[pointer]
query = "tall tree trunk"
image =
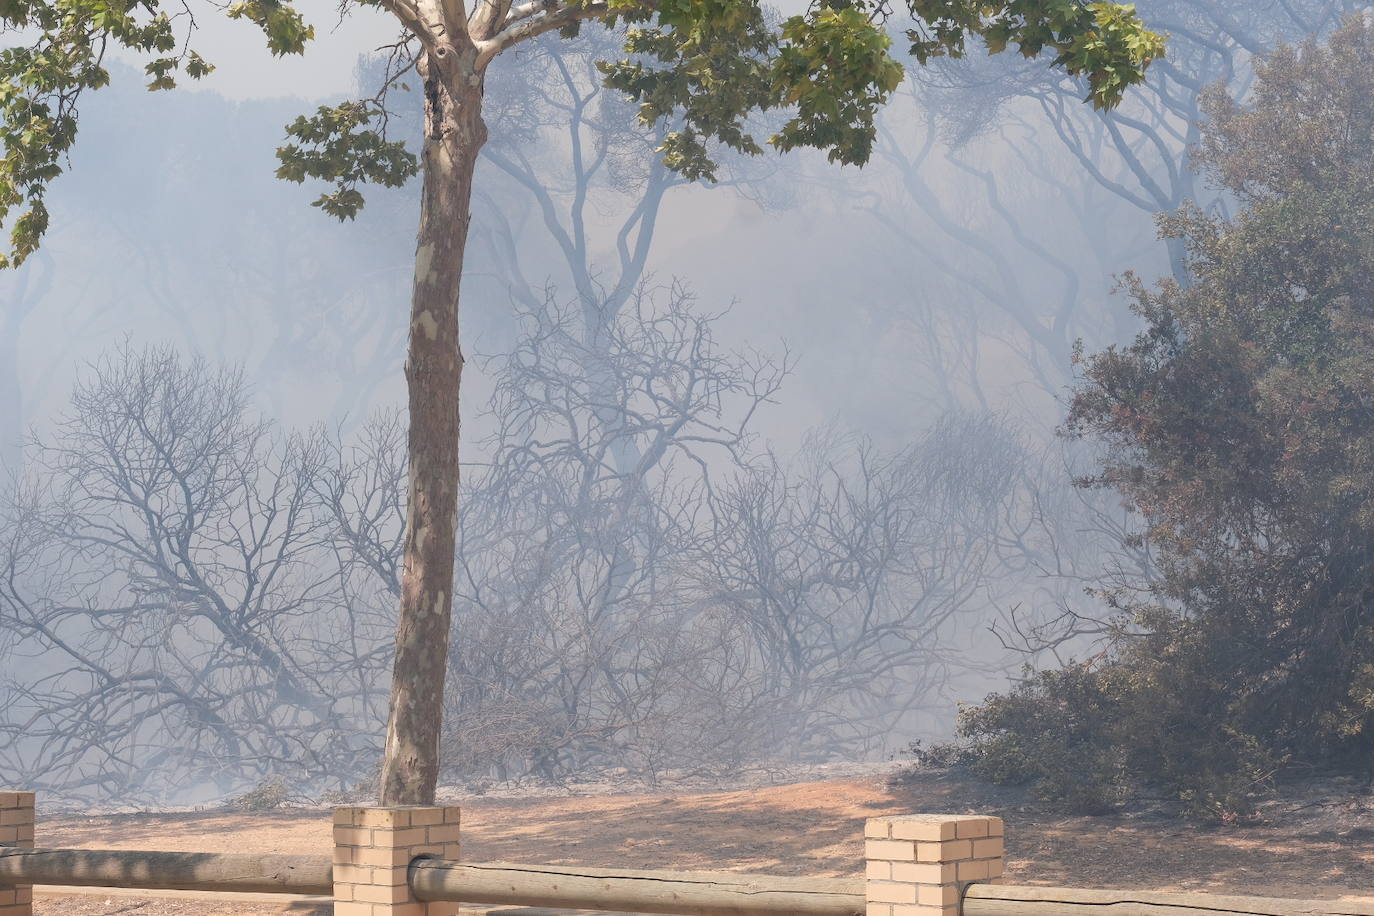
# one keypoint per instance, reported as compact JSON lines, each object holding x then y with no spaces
{"x":454,"y":134}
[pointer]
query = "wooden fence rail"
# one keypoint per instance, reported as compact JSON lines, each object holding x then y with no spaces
{"x":1011,"y":900}
{"x":505,"y":883}
{"x":404,"y":861}
{"x":629,"y":891}
{"x":234,"y":873}
{"x":617,"y":890}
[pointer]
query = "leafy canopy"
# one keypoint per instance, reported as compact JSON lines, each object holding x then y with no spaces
{"x":711,"y":63}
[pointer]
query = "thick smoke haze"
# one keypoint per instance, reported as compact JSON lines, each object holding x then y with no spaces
{"x":921,"y":315}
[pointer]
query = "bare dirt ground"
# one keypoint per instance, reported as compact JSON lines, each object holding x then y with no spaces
{"x":1317,"y":842}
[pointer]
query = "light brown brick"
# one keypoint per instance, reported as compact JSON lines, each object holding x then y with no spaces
{"x":382,"y":893}
{"x":972,"y":828}
{"x":442,"y":833}
{"x":920,"y":910}
{"x":988,"y":847}
{"x":383,"y":817}
{"x":929,"y":829}
{"x":372,"y":878}
{"x":407,"y":836}
{"x":878,"y":871}
{"x":8,"y":895}
{"x":16,"y":816}
{"x":25,"y":832}
{"x":343,"y":816}
{"x":23,"y":894}
{"x":878,"y":909}
{"x":995,"y":867}
{"x":423,"y":817}
{"x":875,"y":829}
{"x":352,"y":874}
{"x":973,"y":871}
{"x":352,"y":908}
{"x":352,"y":836}
{"x":892,"y":850}
{"x":925,"y":872}
{"x":382,"y":856}
{"x":948,"y":851}
{"x":9,"y":836}
{"x":937,"y":894}
{"x":891,"y":892}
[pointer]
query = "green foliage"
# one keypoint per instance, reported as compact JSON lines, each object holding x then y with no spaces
{"x":706,"y":60}
{"x":1240,"y":423}
{"x":715,"y":62}
{"x":42,"y":82}
{"x":711,"y":63}
{"x":835,"y":68}
{"x":1103,"y":42}
{"x":340,"y":146}
{"x":281,"y":23}
{"x":1089,"y":737}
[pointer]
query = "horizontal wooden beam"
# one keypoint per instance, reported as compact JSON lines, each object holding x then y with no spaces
{"x":1009,"y":900}
{"x":621,"y":890}
{"x":236,"y":873}
{"x":630,"y":891}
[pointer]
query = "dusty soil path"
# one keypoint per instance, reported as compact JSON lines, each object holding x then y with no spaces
{"x":810,"y":828}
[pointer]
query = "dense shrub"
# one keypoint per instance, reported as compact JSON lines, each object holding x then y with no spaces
{"x":1240,"y":425}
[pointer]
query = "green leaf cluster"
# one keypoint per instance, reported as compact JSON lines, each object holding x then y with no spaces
{"x":339,"y":144}
{"x":715,"y":62}
{"x":282,"y":24}
{"x":42,"y":82}
{"x":1102,"y":42}
{"x":708,"y":61}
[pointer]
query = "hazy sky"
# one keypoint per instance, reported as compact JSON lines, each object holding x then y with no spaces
{"x":245,"y":69}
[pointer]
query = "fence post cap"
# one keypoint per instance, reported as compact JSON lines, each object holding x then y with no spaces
{"x":932,"y":827}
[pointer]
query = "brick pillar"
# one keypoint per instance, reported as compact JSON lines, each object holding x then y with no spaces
{"x":919,"y":864}
{"x":16,"y":829}
{"x":373,"y":848}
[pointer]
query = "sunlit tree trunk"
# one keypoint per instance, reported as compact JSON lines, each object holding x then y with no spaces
{"x":454,"y":134}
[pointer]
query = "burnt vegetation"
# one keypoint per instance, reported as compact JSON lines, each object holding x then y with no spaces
{"x":1168,"y":599}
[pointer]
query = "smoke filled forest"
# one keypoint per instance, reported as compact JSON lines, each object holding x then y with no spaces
{"x":1005,"y":413}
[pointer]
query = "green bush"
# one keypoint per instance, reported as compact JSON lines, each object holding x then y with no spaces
{"x":1239,"y":424}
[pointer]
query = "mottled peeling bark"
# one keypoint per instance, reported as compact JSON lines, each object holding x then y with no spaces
{"x":454,"y":134}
